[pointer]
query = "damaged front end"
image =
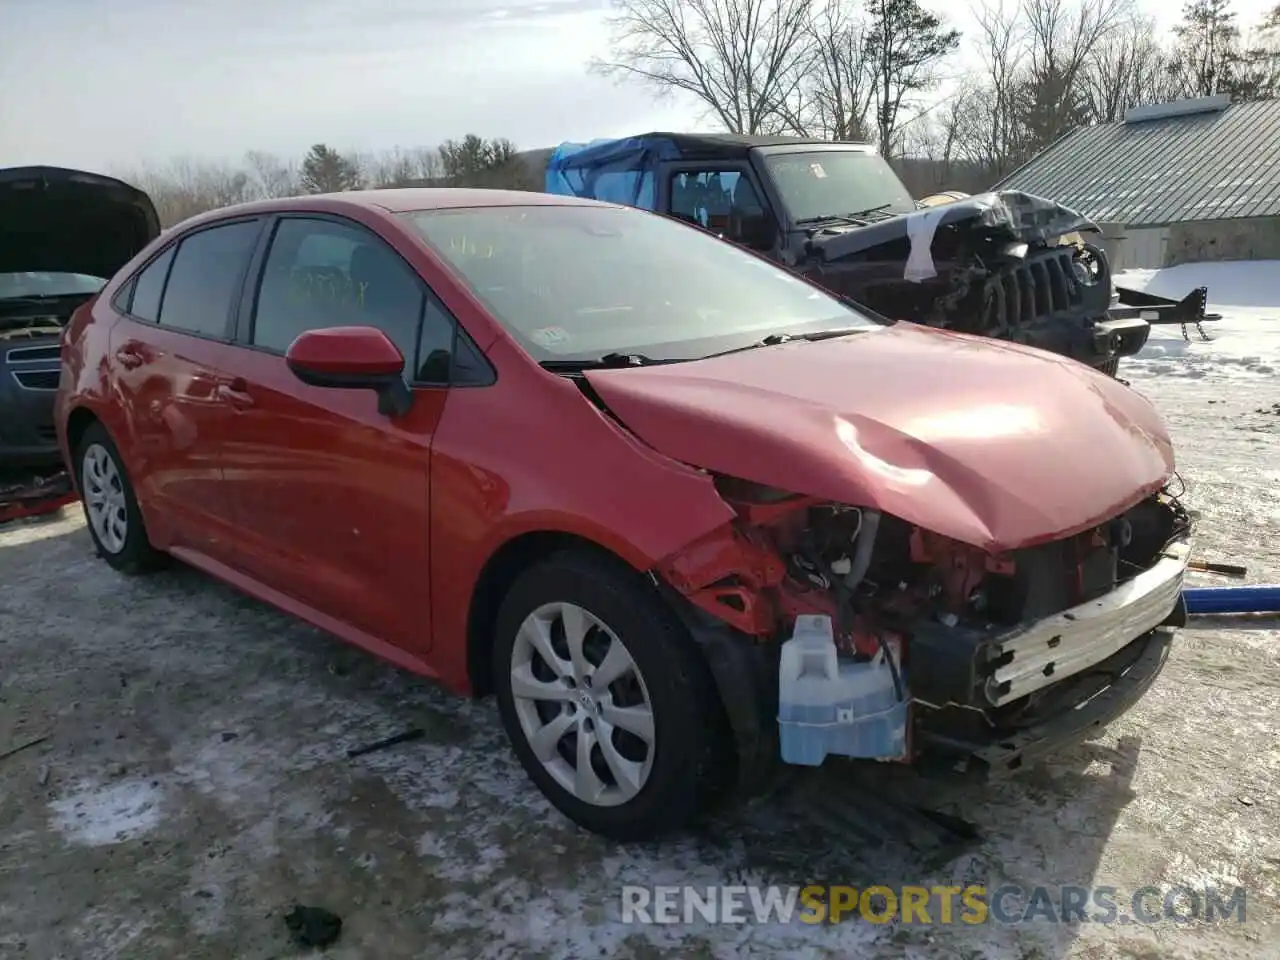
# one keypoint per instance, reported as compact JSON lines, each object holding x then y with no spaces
{"x":992,"y":265}
{"x":1001,"y":658}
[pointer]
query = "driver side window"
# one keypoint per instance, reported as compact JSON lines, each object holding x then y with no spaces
{"x":322,"y":274}
{"x":724,"y":202}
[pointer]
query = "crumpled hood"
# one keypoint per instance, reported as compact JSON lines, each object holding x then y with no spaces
{"x":68,"y":221}
{"x":1017,"y":216}
{"x":989,"y":443}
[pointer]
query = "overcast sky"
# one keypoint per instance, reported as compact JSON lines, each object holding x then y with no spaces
{"x":104,"y":84}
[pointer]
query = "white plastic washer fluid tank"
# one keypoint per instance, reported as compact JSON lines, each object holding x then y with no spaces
{"x":829,"y":707}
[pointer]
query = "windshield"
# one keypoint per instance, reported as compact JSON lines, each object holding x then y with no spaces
{"x":830,"y":183}
{"x":48,"y":285}
{"x":581,"y":282}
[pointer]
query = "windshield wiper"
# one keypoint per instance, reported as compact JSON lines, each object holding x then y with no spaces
{"x":610,"y":361}
{"x":833,"y":333}
{"x":843,"y":217}
{"x":775,"y":338}
{"x":825,"y":218}
{"x":870,"y":210}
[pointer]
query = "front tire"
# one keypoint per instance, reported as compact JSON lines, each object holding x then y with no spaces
{"x":605,"y":698}
{"x":110,"y":507}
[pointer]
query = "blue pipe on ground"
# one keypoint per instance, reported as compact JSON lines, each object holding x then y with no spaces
{"x":1262,"y":598}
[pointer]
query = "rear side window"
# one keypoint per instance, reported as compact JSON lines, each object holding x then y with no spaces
{"x":205,"y":278}
{"x":149,"y":287}
{"x":323,"y":274}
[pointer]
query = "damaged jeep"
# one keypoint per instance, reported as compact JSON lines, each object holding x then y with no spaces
{"x":836,"y":213}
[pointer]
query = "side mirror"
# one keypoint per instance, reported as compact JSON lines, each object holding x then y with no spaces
{"x":352,"y":358}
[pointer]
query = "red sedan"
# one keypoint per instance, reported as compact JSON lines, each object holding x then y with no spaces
{"x":596,"y":462}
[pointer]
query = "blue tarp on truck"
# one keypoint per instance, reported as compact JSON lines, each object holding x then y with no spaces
{"x":616,"y":171}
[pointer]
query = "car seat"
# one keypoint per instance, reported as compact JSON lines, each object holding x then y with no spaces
{"x":684,"y":201}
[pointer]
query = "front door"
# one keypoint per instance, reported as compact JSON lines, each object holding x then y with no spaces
{"x":330,"y":496}
{"x":722,"y":198}
{"x":169,"y":354}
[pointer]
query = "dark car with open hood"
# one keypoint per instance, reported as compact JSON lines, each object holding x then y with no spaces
{"x":63,"y":234}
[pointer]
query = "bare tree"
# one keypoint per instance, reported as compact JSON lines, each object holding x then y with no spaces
{"x":185,"y":187}
{"x":925,"y":165}
{"x":1127,"y":68}
{"x":745,"y":60}
{"x":840,"y":83}
{"x":1207,"y":48}
{"x":420,"y":166}
{"x":1256,"y":73}
{"x":905,"y":44}
{"x":272,"y":177}
{"x":1050,"y":66}
{"x":1213,"y":56}
{"x":1063,"y":36}
{"x":989,"y":131}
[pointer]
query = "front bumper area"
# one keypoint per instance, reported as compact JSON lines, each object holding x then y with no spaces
{"x":1124,"y":679}
{"x":1120,"y":336}
{"x":28,"y":383}
{"x":1041,"y":687}
{"x":1032,"y":657}
{"x":985,"y":701}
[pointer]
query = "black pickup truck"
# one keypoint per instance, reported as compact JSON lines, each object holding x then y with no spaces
{"x":993,"y":264}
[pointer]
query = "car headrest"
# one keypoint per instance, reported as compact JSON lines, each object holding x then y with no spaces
{"x":369,"y":264}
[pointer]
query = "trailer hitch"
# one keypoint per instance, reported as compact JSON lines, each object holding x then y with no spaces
{"x":1162,"y":310}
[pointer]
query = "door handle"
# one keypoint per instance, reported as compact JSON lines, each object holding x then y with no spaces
{"x":236,"y":393}
{"x":130,"y":356}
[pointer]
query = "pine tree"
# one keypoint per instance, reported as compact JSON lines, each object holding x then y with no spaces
{"x":325,"y":170}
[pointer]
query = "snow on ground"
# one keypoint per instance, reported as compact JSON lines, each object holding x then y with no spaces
{"x":195,"y":783}
{"x":1246,"y":340}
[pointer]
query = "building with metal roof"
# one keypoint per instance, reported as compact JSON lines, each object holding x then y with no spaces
{"x":1174,"y":182}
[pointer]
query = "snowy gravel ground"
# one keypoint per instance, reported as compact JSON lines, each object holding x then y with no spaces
{"x":195,"y":783}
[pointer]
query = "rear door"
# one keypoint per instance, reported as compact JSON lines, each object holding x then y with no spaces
{"x":169,"y":354}
{"x":331,"y":496}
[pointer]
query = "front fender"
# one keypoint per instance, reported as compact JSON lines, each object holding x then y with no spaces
{"x":532,"y":454}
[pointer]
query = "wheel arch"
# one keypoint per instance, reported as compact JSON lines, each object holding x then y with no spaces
{"x":736,"y":668}
{"x":499,"y":572}
{"x":79,"y":420}
{"x":77,"y":423}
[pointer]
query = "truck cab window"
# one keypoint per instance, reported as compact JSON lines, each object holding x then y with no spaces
{"x":724,"y":202}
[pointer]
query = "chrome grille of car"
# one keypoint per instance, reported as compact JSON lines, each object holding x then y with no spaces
{"x":37,"y":379}
{"x":31,"y":354}
{"x":34,"y":368}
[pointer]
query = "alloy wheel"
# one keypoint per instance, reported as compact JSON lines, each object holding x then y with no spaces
{"x":104,"y":498}
{"x":582,"y":704}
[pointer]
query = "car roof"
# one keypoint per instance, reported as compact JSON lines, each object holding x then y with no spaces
{"x":396,"y":200}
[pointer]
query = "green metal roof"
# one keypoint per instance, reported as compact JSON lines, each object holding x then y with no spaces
{"x":1165,"y":164}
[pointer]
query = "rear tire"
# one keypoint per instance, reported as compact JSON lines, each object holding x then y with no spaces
{"x":606,"y":700}
{"x":110,"y":507}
